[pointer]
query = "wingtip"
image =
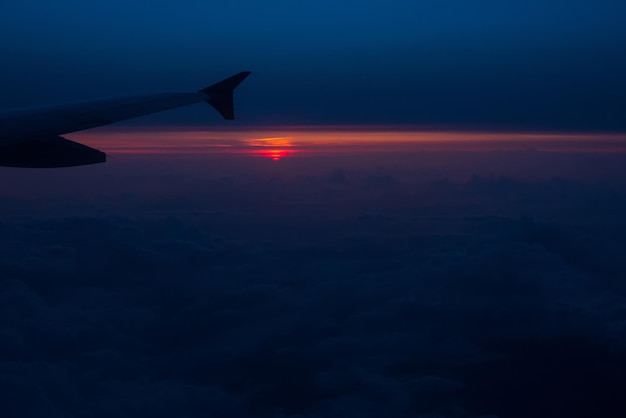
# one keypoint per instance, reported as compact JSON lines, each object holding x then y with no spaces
{"x":220,"y":94}
{"x":226,"y":85}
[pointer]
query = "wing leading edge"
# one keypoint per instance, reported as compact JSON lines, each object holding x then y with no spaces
{"x":32,"y":137}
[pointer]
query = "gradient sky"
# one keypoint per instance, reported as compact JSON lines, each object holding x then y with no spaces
{"x":419,"y":212}
{"x":531,"y":65}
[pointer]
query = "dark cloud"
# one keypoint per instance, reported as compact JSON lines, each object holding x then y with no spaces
{"x":402,"y":294}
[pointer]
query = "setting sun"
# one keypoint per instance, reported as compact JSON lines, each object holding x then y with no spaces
{"x":274,"y":154}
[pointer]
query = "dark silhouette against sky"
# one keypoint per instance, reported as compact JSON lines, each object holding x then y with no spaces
{"x":518,"y":64}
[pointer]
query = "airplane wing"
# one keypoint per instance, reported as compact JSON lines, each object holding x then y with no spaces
{"x":32,"y":137}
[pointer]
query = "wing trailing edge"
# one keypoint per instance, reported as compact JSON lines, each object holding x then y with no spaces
{"x":51,"y":152}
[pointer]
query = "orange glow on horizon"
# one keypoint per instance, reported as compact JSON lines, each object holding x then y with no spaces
{"x":276,"y":142}
{"x":281,"y":142}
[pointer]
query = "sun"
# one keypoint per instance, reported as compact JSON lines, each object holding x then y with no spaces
{"x":275,"y":154}
{"x":275,"y":148}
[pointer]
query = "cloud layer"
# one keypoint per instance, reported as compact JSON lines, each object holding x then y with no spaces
{"x":373,"y":292}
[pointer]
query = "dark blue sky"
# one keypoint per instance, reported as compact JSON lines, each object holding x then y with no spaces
{"x":519,"y":64}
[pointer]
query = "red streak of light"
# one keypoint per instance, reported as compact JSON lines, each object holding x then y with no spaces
{"x":283,"y":142}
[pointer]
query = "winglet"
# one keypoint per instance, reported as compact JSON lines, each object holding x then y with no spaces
{"x":221,"y":94}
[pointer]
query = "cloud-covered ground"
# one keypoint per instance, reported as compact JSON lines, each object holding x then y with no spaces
{"x":469,"y":285}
